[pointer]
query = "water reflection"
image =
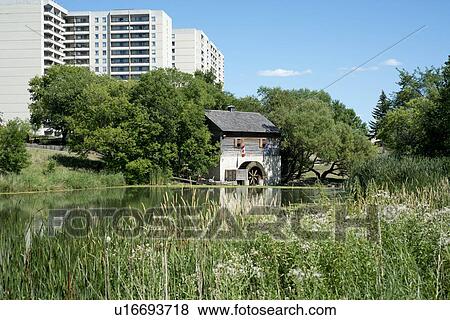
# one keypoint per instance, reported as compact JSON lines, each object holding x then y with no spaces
{"x":32,"y":205}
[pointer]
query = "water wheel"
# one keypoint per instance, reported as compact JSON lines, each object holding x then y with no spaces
{"x":254,"y":176}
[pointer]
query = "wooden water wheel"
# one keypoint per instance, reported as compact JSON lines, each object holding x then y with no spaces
{"x":254,"y":176}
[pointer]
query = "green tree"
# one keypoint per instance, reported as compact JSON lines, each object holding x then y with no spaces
{"x":307,"y":127}
{"x":176,"y":102}
{"x":419,"y":121}
{"x":379,"y":113}
{"x":153,"y":124}
{"x":56,"y":96}
{"x":352,"y":147}
{"x":314,"y":129}
{"x":13,"y":154}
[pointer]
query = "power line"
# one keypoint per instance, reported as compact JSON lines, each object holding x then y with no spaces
{"x":374,"y":57}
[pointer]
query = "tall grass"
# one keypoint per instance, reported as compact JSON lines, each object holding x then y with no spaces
{"x":395,"y":173}
{"x":410,"y":258}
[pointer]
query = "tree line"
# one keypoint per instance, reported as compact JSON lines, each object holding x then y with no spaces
{"x":415,"y":120}
{"x":156,"y":123}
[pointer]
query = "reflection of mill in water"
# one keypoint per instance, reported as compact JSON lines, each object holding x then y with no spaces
{"x":242,"y":200}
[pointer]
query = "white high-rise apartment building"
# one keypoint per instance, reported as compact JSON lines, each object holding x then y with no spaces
{"x":36,"y":34}
{"x":122,"y":43}
{"x":31,"y":40}
{"x":192,"y":51}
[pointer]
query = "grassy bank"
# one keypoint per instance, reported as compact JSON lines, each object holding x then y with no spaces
{"x":396,"y":173}
{"x":55,"y":170}
{"x":409,"y":257}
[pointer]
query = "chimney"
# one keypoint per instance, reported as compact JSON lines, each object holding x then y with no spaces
{"x":231,"y":108}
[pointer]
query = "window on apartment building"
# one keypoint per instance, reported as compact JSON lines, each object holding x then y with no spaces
{"x":96,"y":36}
{"x":96,"y":69}
{"x":153,"y":60}
{"x":140,"y":60}
{"x":120,"y":52}
{"x":120,"y":60}
{"x":96,"y":28}
{"x":173,"y":50}
{"x":104,"y":69}
{"x":173,"y":43}
{"x":153,"y":35}
{"x":140,"y":43}
{"x":173,"y":58}
{"x":104,"y":44}
{"x":119,"y":19}
{"x":142,"y":27}
{"x":139,"y":35}
{"x":104,"y":52}
{"x":153,"y":51}
{"x":96,"y":19}
{"x":104,"y":36}
{"x":104,"y":19}
{"x":173,"y":65}
{"x":104,"y":61}
{"x":139,"y":18}
{"x":96,"y":61}
{"x":120,"y":44}
{"x":153,"y":27}
{"x":120,"y":36}
{"x":139,"y":68}
{"x":139,"y":52}
{"x":173,"y":35}
{"x":153,"y":44}
{"x":120,"y":69}
{"x":96,"y":52}
{"x":153,"y":19}
{"x":96,"y":45}
{"x":115,"y":28}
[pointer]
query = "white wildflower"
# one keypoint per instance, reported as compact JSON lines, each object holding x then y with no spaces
{"x":382,"y":194}
{"x":391,"y":213}
{"x":297,"y":273}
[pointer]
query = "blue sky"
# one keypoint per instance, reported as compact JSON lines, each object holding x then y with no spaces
{"x":309,"y":44}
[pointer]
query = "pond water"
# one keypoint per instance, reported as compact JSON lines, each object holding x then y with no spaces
{"x":172,"y":209}
{"x":42,"y":203}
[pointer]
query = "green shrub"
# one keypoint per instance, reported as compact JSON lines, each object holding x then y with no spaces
{"x":143,"y":171}
{"x":50,"y":168}
{"x":13,"y":154}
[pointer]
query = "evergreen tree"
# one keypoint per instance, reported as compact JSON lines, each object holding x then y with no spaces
{"x":382,"y":108}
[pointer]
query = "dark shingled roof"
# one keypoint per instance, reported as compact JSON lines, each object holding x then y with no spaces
{"x":246,"y":122}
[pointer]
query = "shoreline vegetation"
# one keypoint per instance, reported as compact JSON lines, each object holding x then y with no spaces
{"x":409,"y":258}
{"x":60,"y":171}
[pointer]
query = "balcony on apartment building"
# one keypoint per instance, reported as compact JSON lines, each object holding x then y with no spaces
{"x":81,"y":38}
{"x":76,"y":21}
{"x":55,"y":13}
{"x":76,"y":61}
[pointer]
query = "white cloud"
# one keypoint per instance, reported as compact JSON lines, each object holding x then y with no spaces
{"x":391,"y":62}
{"x":283,"y":73}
